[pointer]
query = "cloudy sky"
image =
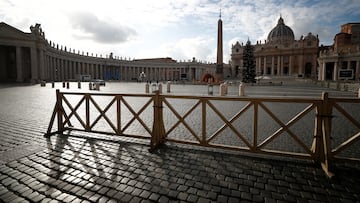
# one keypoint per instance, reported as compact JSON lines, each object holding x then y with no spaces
{"x":180,"y":29}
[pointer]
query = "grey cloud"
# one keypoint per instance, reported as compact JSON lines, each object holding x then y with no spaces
{"x":100,"y":31}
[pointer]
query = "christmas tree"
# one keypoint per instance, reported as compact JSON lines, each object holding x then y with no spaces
{"x":249,"y":72}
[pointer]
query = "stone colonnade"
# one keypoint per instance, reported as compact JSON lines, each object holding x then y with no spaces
{"x":60,"y":65}
{"x":29,"y":57}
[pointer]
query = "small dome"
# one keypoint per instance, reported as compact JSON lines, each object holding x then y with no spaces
{"x":310,"y":37}
{"x":237,"y":44}
{"x":281,"y":32}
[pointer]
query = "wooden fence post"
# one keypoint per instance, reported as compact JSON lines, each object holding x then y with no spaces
{"x":203,"y":123}
{"x":55,"y":112}
{"x":318,"y":145}
{"x":87,"y":112}
{"x":59,"y":111}
{"x":322,"y":148}
{"x":158,"y":131}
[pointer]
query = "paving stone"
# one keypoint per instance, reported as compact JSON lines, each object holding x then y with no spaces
{"x":71,"y":198}
{"x":145,"y":194}
{"x":190,"y":183}
{"x":110,"y":192}
{"x":154,"y":197}
{"x":192,"y":190}
{"x":306,"y":195}
{"x":135,"y":200}
{"x":182,"y":196}
{"x":269,"y":200}
{"x":46,"y":200}
{"x":37,"y":197}
{"x":277,"y":196}
{"x":182,"y":188}
{"x":8,"y":196}
{"x":156,"y":189}
{"x":163,"y":199}
{"x":129,"y":189}
{"x":136,"y":192}
{"x":118,"y":196}
{"x":203,"y":200}
{"x":235,"y":199}
{"x":95,"y":197}
{"x":103,"y":199}
{"x":53,"y":193}
{"x":27,"y":192}
{"x":233,"y":186}
{"x":271,"y":188}
{"x":244,"y":188}
{"x":202,"y":193}
{"x":257,"y":198}
{"x":192,"y":198}
{"x":235,"y":193}
{"x":126,"y":198}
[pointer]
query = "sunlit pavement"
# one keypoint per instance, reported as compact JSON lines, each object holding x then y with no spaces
{"x":81,"y":167}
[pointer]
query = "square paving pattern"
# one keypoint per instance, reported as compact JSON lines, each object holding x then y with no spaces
{"x":83,"y":167}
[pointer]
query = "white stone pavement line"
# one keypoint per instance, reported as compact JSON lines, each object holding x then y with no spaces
{"x":19,"y":152}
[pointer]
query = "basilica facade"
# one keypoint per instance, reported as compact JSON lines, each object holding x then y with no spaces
{"x":30,"y":57}
{"x":281,"y":54}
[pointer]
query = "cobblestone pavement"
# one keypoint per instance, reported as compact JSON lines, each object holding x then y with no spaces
{"x":78,"y":167}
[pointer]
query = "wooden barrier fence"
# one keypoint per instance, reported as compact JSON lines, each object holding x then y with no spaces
{"x":297,"y":127}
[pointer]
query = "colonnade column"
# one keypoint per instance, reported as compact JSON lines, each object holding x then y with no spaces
{"x":101,"y":70}
{"x":47,"y":67}
{"x":301,"y":65}
{"x":42,"y":65}
{"x":19,"y":72}
{"x":62,"y":65}
{"x":92,"y":71}
{"x":336,"y":67}
{"x":272,"y":65}
{"x":278,"y":67}
{"x":290,"y":65}
{"x":281,"y":65}
{"x":34,"y":64}
{"x":70,"y":69}
{"x":96,"y":71}
{"x":357,"y":71}
{"x":322,"y":71}
{"x":51,"y":68}
{"x":264,"y":65}
{"x":66,"y":72}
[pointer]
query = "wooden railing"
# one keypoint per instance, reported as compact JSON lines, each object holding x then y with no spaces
{"x":296,"y":127}
{"x":115,"y":118}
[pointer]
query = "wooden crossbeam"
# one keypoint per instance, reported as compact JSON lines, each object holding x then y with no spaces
{"x":73,"y":111}
{"x":137,"y":114}
{"x":228,"y":123}
{"x":285,"y":127}
{"x":181,"y":119}
{"x":103,"y":113}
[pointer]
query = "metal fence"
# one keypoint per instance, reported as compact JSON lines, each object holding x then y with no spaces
{"x":323,"y":129}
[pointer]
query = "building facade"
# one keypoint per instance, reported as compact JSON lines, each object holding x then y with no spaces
{"x":30,"y":57}
{"x":341,"y":61}
{"x":280,"y":55}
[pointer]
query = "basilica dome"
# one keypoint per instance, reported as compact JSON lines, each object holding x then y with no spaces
{"x":281,"y":33}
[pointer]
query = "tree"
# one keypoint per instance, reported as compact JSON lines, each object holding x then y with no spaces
{"x":249,"y":72}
